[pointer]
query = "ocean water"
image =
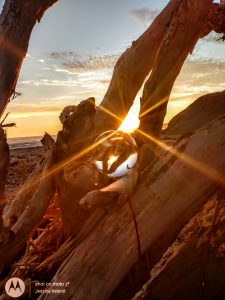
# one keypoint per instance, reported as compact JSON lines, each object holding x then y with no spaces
{"x":25,"y":142}
{"x":31,"y":141}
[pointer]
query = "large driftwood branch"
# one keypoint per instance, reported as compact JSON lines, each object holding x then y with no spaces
{"x":16,"y":24}
{"x":188,"y":25}
{"x":101,"y":260}
{"x":131,"y":70}
{"x":128,"y":76}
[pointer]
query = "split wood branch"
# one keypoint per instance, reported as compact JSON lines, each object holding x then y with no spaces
{"x":131,"y":70}
{"x":178,"y":42}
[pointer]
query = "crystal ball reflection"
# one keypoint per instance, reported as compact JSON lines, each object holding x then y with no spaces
{"x":115,"y":154}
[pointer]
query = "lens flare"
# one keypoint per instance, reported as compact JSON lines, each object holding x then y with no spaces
{"x":195,"y":164}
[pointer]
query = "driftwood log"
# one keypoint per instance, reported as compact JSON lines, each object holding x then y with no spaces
{"x":104,"y":241}
{"x":91,"y":267}
{"x":98,"y":263}
{"x":73,"y":138}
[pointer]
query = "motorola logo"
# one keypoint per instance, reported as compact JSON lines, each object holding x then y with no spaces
{"x":15,"y":287}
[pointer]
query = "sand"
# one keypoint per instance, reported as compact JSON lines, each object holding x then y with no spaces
{"x":22,"y":163}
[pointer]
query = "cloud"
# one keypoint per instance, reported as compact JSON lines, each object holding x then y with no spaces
{"x":72,"y":77}
{"x":144,"y":15}
{"x":95,"y":81}
{"x":214,"y":38}
{"x":75,"y":71}
{"x":203,"y":71}
{"x":74,"y":62}
{"x":63,"y":71}
{"x":87,"y":74}
{"x":35,"y":108}
{"x":199,"y":77}
{"x":49,"y":82}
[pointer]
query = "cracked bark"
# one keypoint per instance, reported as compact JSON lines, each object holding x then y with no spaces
{"x":194,"y":265}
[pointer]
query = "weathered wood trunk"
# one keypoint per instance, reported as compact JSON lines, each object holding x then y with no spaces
{"x":104,"y":256}
{"x":16,"y":24}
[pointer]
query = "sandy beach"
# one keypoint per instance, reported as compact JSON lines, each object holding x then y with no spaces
{"x":22,"y":163}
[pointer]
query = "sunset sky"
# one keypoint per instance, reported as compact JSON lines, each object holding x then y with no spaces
{"x":72,"y":53}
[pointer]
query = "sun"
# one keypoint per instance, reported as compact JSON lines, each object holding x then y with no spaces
{"x":130,"y":123}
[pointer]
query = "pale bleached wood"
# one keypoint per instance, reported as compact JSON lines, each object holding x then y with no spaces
{"x":119,"y":191}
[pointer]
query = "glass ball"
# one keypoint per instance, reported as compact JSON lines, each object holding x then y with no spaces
{"x":115,"y":153}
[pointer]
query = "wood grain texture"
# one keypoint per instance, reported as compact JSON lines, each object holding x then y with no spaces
{"x":100,"y":261}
